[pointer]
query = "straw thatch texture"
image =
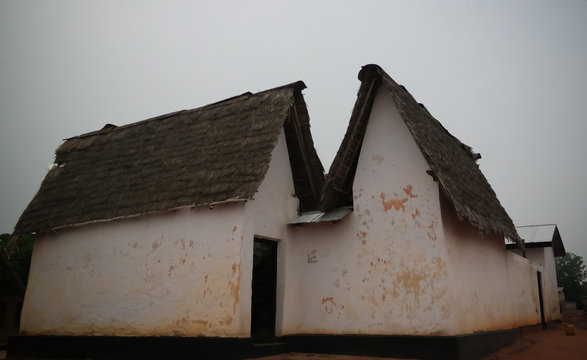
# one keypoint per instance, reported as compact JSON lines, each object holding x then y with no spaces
{"x":451,"y":162}
{"x":211,"y":154}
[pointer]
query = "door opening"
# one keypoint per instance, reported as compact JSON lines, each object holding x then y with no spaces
{"x":542,"y":320}
{"x":264,"y":288}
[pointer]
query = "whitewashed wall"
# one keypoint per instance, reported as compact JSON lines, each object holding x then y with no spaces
{"x":491,"y":288}
{"x":543,"y":259}
{"x":169,"y":274}
{"x":183,"y":273}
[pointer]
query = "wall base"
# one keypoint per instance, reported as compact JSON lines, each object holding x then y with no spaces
{"x":115,"y":347}
{"x":470,"y":346}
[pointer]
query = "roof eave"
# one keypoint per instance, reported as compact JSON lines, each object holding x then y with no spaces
{"x":133,"y":216}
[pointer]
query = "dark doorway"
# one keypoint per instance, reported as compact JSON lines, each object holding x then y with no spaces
{"x":264,"y":288}
{"x":542,"y":320}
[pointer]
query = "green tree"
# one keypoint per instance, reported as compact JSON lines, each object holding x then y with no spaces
{"x":570,"y":272}
{"x":15,"y":261}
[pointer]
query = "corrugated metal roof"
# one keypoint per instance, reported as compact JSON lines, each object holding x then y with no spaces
{"x":541,"y":236}
{"x":536,"y":233}
{"x":320,"y":216}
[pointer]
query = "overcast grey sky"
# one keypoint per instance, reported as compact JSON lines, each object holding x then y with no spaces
{"x":508,"y":78}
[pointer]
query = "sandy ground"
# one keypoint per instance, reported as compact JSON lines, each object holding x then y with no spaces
{"x":537,"y":344}
{"x":551,"y":343}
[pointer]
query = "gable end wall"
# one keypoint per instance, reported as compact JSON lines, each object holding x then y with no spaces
{"x":382,"y":269}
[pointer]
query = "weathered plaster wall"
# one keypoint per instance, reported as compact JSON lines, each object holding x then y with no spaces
{"x":543,"y":259}
{"x":170,"y":274}
{"x":381,"y":269}
{"x":401,"y":262}
{"x":490,"y":288}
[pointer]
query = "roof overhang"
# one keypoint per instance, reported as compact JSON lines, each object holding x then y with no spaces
{"x":532,"y":245}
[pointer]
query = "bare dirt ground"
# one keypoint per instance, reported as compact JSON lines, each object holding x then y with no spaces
{"x":551,"y":343}
{"x":537,"y":344}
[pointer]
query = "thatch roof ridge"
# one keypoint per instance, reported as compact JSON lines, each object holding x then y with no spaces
{"x":215,"y":153}
{"x":451,"y":162}
{"x":297,"y":85}
{"x":337,"y":190}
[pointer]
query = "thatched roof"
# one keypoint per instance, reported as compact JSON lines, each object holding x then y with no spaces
{"x":451,"y":162}
{"x":216,"y":153}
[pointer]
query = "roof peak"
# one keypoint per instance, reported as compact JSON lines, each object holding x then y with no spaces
{"x":365,"y":69}
{"x":452,"y":162}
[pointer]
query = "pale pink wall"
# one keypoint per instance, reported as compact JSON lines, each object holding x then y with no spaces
{"x":543,"y":259}
{"x":175,"y":273}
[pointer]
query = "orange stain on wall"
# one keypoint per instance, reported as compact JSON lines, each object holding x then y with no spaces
{"x":408,"y":190}
{"x":235,"y":285}
{"x":397,"y":204}
{"x":328,"y":307}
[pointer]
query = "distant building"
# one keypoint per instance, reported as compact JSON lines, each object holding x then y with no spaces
{"x":543,"y":243}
